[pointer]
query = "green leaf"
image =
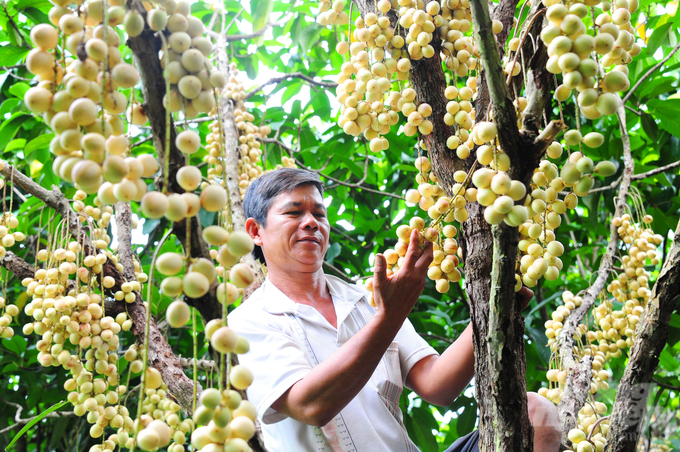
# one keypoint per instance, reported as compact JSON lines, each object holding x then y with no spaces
{"x":260,"y":10}
{"x":36,"y":15}
{"x":668,"y":113}
{"x":649,"y":126}
{"x":17,"y":345}
{"x":42,"y":142}
{"x":657,"y":38}
{"x":10,"y":128}
{"x":11,"y":55}
{"x":19,"y":89}
{"x":306,"y":36}
{"x":35,"y":420}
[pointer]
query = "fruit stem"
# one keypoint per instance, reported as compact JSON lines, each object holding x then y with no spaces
{"x":166,"y":166}
{"x":145,"y":351}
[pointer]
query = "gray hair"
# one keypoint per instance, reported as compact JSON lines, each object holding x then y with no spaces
{"x":263,"y":190}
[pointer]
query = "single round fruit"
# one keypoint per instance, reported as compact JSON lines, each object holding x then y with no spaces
{"x":154,"y":204}
{"x":605,"y":168}
{"x":224,"y":340}
{"x":169,"y":264}
{"x":189,"y":177}
{"x":195,"y":284}
{"x":215,"y":235}
{"x":188,"y":142}
{"x":178,"y":314}
{"x":148,"y":439}
{"x":241,"y":275}
{"x":240,"y":243}
{"x":171,"y":286}
{"x":240,"y":377}
{"x":213,"y":198}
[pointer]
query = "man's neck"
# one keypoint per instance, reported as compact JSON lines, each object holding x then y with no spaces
{"x":306,"y":288}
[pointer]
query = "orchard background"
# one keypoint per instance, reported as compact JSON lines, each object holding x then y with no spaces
{"x":282,"y":66}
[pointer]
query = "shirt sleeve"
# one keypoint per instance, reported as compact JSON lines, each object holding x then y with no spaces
{"x":276,"y":360}
{"x":412,"y":348}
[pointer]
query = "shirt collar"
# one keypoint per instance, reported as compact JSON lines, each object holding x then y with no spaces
{"x":276,"y":302}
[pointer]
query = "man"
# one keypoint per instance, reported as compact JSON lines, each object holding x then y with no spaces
{"x":328,"y":367}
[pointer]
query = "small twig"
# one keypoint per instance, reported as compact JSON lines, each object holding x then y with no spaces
{"x":640,"y":176}
{"x":283,"y":77}
{"x":435,"y":336}
{"x":142,"y":141}
{"x":257,"y":34}
{"x":666,"y":386}
{"x":339,"y":272}
{"x":650,"y":71}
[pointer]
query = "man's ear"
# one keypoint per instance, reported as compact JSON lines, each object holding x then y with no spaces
{"x":253,"y":230}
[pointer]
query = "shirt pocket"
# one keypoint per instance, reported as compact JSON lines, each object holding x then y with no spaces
{"x":389,"y":381}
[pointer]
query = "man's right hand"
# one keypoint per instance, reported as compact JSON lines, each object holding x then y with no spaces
{"x":395,"y":295}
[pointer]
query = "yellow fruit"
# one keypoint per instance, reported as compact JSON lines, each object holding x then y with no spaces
{"x":153,"y":378}
{"x":125,"y":191}
{"x":44,"y":36}
{"x":171,"y":286}
{"x":157,"y":19}
{"x":605,"y":168}
{"x":195,"y":284}
{"x":213,"y":198}
{"x":188,"y":141}
{"x":162,"y":429}
{"x":211,"y":398}
{"x":149,"y":164}
{"x":240,"y":243}
{"x":169,"y":264}
{"x":177,"y":208}
{"x":224,"y":340}
{"x":133,"y":23}
{"x":206,"y":267}
{"x":38,"y":100}
{"x":178,"y":314}
{"x":154,"y":204}
{"x":125,"y":75}
{"x":193,"y":203}
{"x":193,"y":60}
{"x":215,"y":235}
{"x":240,"y":377}
{"x":583,"y":186}
{"x":88,"y":175}
{"x":232,"y":293}
{"x":115,"y":169}
{"x":241,"y":275}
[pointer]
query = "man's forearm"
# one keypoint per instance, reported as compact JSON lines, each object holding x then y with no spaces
{"x":440,"y":379}
{"x":331,"y":385}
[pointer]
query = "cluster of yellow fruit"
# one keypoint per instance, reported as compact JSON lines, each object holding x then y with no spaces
{"x":440,"y":209}
{"x":9,"y":311}
{"x":8,"y":238}
{"x":160,"y":420}
{"x":590,"y":435}
{"x":250,"y":149}
{"x":613,"y":330}
{"x":570,"y":48}
{"x":226,"y":421}
{"x":539,"y":251}
{"x":185,"y":59}
{"x":332,"y":15}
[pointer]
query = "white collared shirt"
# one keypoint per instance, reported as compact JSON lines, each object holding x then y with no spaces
{"x":288,"y":339}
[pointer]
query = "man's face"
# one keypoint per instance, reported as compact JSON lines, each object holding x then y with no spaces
{"x":296,"y":235}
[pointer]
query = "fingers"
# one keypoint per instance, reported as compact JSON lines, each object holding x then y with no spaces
{"x":426,"y":257}
{"x":413,"y":252}
{"x":379,"y":270}
{"x":524,"y":296}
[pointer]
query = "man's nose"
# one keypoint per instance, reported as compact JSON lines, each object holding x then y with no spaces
{"x":310,"y":221}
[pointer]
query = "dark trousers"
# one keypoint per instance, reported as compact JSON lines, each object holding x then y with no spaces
{"x":467,"y":443}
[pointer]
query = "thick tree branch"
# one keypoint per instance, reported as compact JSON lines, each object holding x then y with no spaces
{"x":572,"y":396}
{"x":630,"y":405}
{"x":283,"y":77}
{"x":232,"y":153}
{"x":19,"y":267}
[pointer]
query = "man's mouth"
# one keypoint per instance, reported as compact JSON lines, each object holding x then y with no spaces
{"x":309,"y":239}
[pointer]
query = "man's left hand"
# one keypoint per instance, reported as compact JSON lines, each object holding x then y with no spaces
{"x":524,"y":296}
